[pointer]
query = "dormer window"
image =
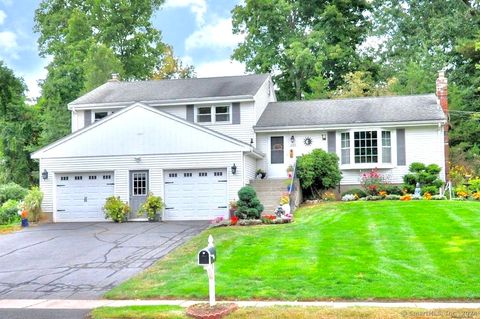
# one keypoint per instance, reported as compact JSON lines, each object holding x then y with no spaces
{"x":217,"y":114}
{"x":98,"y":115}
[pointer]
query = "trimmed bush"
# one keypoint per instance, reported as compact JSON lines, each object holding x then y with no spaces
{"x":432,"y":190}
{"x":392,"y":189}
{"x":427,"y":176}
{"x":115,"y":209}
{"x":9,"y":212}
{"x":359,"y":192}
{"x":12,"y":191}
{"x":318,"y":171}
{"x":248,"y":205}
{"x":393,"y":197}
{"x":33,"y":203}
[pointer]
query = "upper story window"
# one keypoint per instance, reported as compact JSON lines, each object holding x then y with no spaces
{"x":98,"y":115}
{"x":369,"y":147}
{"x":213,"y":114}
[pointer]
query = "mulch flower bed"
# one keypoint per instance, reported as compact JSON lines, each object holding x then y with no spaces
{"x":204,"y":311}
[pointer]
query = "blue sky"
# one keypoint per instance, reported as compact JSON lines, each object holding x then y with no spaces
{"x":198,"y":30}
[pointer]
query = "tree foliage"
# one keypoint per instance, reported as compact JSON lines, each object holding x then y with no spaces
{"x":18,"y":131}
{"x":88,"y":40}
{"x":318,"y":171}
{"x":301,"y":41}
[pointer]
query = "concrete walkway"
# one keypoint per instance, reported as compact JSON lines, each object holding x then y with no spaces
{"x":91,"y":304}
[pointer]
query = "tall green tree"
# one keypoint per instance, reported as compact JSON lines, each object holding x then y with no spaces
{"x":88,"y":40}
{"x":18,"y":131}
{"x":307,"y":45}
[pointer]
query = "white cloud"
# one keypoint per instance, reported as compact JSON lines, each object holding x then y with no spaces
{"x":219,"y":68}
{"x":3,"y":15}
{"x":216,"y":35}
{"x":31,"y":80}
{"x":197,"y":7}
{"x":8,"y":40}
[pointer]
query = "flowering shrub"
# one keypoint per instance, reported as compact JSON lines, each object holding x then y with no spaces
{"x":372,"y":182}
{"x":476,"y":195}
{"x":217,"y":220}
{"x":461,"y":191}
{"x":233,"y":220}
{"x":406,"y":197}
{"x":349,"y":197}
{"x":268,"y":219}
{"x":329,"y":196}
{"x":427,"y":196}
{"x":474,"y":186}
{"x":382,"y":193}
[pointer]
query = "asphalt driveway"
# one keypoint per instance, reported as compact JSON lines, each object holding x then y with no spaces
{"x":83,"y":260}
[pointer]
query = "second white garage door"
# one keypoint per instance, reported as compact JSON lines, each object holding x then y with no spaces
{"x":195,"y":194}
{"x":81,"y":196}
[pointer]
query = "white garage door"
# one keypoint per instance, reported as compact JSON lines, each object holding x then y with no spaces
{"x":80,"y":196}
{"x":195,"y":194}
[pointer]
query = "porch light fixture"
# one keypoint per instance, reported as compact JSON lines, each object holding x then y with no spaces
{"x":292,"y":139}
{"x":324,"y":136}
{"x":45,"y":174}
{"x":234,"y":169}
{"x":251,"y":141}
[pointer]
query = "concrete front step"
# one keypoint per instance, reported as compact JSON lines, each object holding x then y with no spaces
{"x":269,"y":192}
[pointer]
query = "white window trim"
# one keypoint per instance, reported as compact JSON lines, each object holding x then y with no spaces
{"x":212,"y":114}
{"x":109,"y":112}
{"x":378,"y":164}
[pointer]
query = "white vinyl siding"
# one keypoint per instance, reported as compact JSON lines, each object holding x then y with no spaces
{"x":155,"y":164}
{"x":244,"y":130}
{"x":250,"y":169}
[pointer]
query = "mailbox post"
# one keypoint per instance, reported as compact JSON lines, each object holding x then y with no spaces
{"x":206,"y":258}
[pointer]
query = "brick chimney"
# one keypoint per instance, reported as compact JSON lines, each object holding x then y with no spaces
{"x":442,"y":98}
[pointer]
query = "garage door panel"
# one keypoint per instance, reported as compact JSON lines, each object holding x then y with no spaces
{"x":80,"y":196}
{"x":195,"y":194}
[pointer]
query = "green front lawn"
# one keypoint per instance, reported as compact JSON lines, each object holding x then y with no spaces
{"x":355,"y":250}
{"x":164,"y":312}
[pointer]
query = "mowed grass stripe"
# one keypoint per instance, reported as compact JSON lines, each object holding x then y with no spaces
{"x":359,"y":250}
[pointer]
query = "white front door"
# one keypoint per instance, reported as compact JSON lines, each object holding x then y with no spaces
{"x":277,"y":167}
{"x":81,"y":196}
{"x":195,"y":194}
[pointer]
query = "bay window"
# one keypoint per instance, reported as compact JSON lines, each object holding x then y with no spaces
{"x":365,"y":147}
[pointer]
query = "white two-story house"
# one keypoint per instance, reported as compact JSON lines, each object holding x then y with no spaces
{"x":196,"y":142}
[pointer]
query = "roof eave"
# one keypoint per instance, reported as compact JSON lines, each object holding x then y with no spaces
{"x":203,"y":100}
{"x":346,"y":125}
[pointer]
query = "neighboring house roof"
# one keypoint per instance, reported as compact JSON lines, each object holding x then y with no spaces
{"x":353,"y":111}
{"x":94,"y":127}
{"x":172,"y":90}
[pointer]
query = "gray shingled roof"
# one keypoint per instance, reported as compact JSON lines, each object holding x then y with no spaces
{"x":167,"y":90}
{"x":352,"y":111}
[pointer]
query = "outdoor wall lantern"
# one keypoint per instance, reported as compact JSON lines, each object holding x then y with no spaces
{"x":234,"y":169}
{"x":45,"y":174}
{"x":324,"y":136}
{"x":292,"y":139}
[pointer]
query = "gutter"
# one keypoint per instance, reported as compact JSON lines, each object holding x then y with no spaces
{"x":204,"y":100}
{"x":293,"y":128}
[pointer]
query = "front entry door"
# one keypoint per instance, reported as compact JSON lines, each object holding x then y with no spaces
{"x":138,"y":191}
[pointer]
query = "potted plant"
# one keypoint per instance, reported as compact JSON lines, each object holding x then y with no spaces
{"x":261,"y":173}
{"x":115,"y":209}
{"x":153,"y":204}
